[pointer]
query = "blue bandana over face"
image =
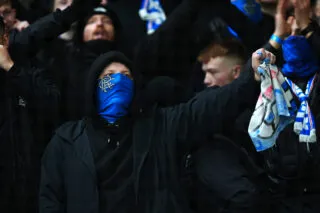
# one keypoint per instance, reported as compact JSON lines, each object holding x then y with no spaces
{"x":250,"y":8}
{"x":114,"y":96}
{"x":300,"y":60}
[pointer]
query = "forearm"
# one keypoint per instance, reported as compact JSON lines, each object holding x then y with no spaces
{"x":29,"y":41}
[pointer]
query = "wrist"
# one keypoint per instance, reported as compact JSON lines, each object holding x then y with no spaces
{"x":278,"y":34}
{"x":276,"y":38}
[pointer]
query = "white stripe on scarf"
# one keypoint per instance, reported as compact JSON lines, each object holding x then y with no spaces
{"x":274,"y":110}
{"x":304,"y":124}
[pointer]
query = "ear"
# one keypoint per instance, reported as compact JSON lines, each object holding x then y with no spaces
{"x":236,"y":71}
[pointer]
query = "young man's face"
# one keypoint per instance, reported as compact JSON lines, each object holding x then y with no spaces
{"x":99,"y":27}
{"x":220,"y":71}
{"x":9,"y":15}
{"x":114,"y":68}
{"x":61,"y":4}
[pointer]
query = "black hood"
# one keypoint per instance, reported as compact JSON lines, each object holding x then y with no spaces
{"x":96,"y":68}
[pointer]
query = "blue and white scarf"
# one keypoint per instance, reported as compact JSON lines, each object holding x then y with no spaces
{"x":274,"y":110}
{"x":152,"y":12}
{"x":304,"y":124}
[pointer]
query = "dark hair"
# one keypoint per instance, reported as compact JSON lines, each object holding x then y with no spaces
{"x":4,"y":2}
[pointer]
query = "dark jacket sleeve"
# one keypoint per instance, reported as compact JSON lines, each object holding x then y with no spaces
{"x":51,"y":184}
{"x":314,"y":40}
{"x":29,"y":41}
{"x":213,"y":109}
{"x":165,"y":51}
{"x":32,"y":84}
{"x":173,"y":48}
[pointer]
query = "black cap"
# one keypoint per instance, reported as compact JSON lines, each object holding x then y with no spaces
{"x":102,"y":10}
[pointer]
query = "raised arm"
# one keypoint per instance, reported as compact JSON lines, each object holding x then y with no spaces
{"x":217,"y":108}
{"x":30,"y":83}
{"x":29,"y":41}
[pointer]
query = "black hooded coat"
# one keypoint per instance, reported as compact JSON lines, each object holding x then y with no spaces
{"x":27,"y":118}
{"x":156,"y":138}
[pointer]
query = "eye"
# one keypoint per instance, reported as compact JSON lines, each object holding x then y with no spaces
{"x":91,"y":21}
{"x":106,"y":21}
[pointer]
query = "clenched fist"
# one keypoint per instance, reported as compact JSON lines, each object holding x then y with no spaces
{"x":5,"y":60}
{"x":21,"y":25}
{"x":258,"y":57}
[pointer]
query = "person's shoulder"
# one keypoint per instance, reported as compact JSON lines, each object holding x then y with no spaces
{"x":71,"y":130}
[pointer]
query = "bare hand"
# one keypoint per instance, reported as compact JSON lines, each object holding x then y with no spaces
{"x":258,"y":57}
{"x":21,"y":25}
{"x":5,"y":60}
{"x":282,"y":27}
{"x":302,"y":12}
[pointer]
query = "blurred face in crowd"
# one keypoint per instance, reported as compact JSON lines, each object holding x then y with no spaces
{"x":220,"y":71}
{"x":8,"y":14}
{"x":316,"y":10}
{"x":99,"y":27}
{"x":104,"y":2}
{"x":114,"y":68}
{"x":61,"y":4}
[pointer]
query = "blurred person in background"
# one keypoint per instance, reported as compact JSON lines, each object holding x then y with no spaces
{"x":9,"y":16}
{"x":97,"y":32}
{"x":29,"y":103}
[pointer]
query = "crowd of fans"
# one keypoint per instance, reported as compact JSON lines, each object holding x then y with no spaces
{"x":186,"y":106}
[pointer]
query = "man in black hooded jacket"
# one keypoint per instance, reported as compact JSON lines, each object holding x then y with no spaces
{"x":121,"y":160}
{"x":28,"y":110}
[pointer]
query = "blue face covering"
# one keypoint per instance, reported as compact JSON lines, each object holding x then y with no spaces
{"x":299,"y":58}
{"x":250,"y":8}
{"x":114,"y":96}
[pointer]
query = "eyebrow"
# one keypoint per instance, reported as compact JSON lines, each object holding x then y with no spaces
{"x":211,"y":70}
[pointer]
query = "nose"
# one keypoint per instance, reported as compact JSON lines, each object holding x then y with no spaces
{"x":207,"y":81}
{"x":99,"y":22}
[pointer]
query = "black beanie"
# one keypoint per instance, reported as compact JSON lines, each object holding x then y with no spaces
{"x":100,"y":10}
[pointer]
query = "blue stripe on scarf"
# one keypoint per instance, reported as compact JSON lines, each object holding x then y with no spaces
{"x":304,"y":124}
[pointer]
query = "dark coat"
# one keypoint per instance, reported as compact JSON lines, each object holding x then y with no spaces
{"x":28,"y":111}
{"x":68,"y":181}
